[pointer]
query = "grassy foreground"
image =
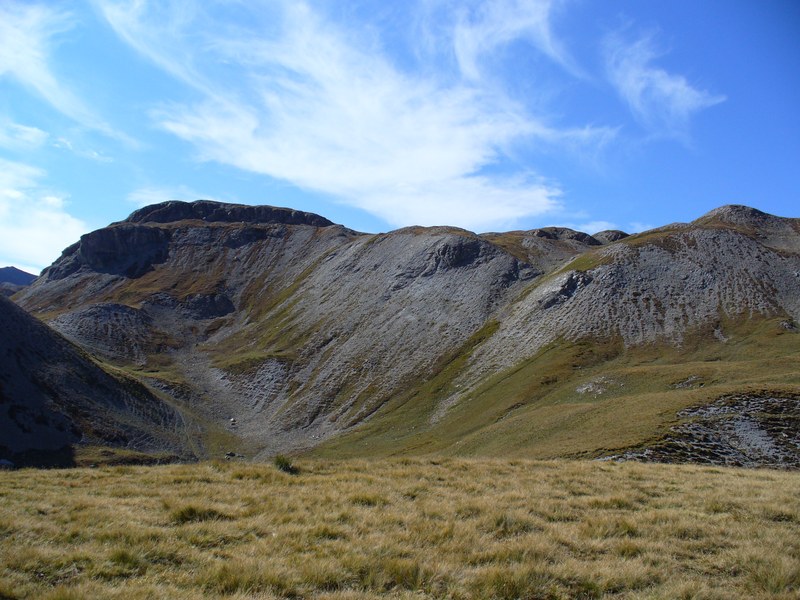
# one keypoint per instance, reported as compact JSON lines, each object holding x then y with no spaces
{"x":418,"y":528}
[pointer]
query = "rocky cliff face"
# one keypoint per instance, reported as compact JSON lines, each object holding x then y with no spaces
{"x":299,"y":329}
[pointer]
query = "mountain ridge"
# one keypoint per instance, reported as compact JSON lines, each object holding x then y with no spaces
{"x":311,"y":335}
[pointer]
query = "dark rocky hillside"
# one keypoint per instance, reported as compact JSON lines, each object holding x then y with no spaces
{"x":292,"y":332}
{"x":54,"y":397}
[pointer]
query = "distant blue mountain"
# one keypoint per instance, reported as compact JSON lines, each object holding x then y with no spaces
{"x":15,"y":276}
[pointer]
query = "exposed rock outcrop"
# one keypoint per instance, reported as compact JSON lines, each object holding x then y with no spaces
{"x":647,"y":288}
{"x":740,"y":431}
{"x":609,"y":236}
{"x":218,"y":212}
{"x":9,"y":289}
{"x":543,"y":249}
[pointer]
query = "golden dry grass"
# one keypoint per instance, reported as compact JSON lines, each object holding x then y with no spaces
{"x":419,"y":528}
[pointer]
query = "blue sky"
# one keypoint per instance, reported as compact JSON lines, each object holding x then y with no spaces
{"x":490,"y":115}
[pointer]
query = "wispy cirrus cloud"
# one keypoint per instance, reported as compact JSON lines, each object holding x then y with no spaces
{"x":81,"y":150}
{"x":638,"y":226}
{"x":298,"y":97}
{"x":484,"y":28}
{"x":15,"y":136}
{"x":35,"y":225}
{"x":662,"y":102}
{"x":149,"y":27}
{"x":27,"y":35}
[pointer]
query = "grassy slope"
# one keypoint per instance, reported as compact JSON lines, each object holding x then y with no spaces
{"x":459,"y":529}
{"x":534,"y":410}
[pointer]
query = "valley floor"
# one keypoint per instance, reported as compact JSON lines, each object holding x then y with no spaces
{"x":400,"y":529}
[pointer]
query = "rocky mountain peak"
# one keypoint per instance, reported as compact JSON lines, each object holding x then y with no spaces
{"x":738,"y":215}
{"x":610,"y":235}
{"x":780,"y":233}
{"x":211,"y":211}
{"x":564,"y":233}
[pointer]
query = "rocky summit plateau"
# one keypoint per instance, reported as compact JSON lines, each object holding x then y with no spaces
{"x":209,"y":329}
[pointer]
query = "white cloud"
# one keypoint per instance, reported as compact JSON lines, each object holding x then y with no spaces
{"x":149,"y":28}
{"x":27,"y":32}
{"x":595,"y":226}
{"x":638,"y":227}
{"x":65,"y":144}
{"x":300,"y":99}
{"x":34,"y":223}
{"x":155,"y":195}
{"x":662,"y":102}
{"x":20,"y":137}
{"x":491,"y":25}
{"x":590,"y":227}
{"x":14,"y":175}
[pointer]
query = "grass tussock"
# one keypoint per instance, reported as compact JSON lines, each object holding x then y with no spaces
{"x":194,"y":514}
{"x":285,"y":464}
{"x":410,"y":528}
